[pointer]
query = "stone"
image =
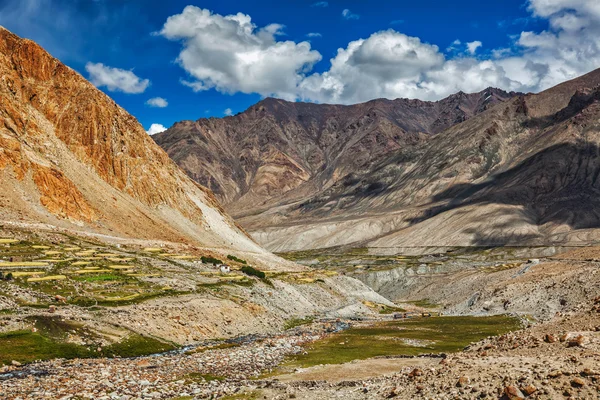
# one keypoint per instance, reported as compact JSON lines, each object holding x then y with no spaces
{"x":529,"y":390}
{"x":579,"y":341}
{"x":513,"y":393}
{"x":550,"y":338}
{"x":415,"y":372}
{"x":463,"y":381}
{"x":577,"y":382}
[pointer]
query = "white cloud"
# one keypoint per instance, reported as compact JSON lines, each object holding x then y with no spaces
{"x":537,"y":60}
{"x":231,"y":54}
{"x":116,"y":79}
{"x":387,"y":64}
{"x":228,"y":112}
{"x":313,"y":34}
{"x":156,"y":128}
{"x":454,"y":46}
{"x":320,"y":4}
{"x":347,"y":14}
{"x":473,"y":46}
{"x":157,"y":102}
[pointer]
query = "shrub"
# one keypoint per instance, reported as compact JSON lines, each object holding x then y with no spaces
{"x":8,"y":277}
{"x":248,"y":270}
{"x":234,"y":258}
{"x":211,"y":260}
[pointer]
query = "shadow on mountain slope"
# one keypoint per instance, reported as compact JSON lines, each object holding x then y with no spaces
{"x":558,"y":185}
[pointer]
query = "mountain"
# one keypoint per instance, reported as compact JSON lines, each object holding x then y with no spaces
{"x":490,"y":168}
{"x":277,"y":152}
{"x":71,"y":159}
{"x":524,"y":172}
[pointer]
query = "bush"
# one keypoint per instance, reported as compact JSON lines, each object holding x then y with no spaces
{"x":211,"y":260}
{"x":234,"y":258}
{"x":248,"y":270}
{"x":8,"y":277}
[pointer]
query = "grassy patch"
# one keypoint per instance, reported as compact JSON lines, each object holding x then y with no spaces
{"x":99,"y":278}
{"x":295,"y":322}
{"x":49,"y":342}
{"x":197,"y":377}
{"x":424,"y":303}
{"x":390,"y":310}
{"x":48,"y":278}
{"x":253,"y":395}
{"x":409,"y":337}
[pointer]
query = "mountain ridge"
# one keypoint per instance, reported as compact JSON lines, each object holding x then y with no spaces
{"x":286,"y":150}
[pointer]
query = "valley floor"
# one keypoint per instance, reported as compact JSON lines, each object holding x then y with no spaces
{"x":162,"y":323}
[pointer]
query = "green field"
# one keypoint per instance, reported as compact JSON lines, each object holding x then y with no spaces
{"x":50,"y":342}
{"x":406,"y":337}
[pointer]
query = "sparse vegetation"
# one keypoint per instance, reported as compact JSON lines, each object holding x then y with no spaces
{"x":234,"y":258}
{"x":251,"y":271}
{"x":210,"y":260}
{"x":407,"y":337}
{"x":49,"y":342}
{"x":295,"y":322}
{"x":424,"y":303}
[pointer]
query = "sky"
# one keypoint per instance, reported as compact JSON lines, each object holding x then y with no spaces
{"x":186,"y":59}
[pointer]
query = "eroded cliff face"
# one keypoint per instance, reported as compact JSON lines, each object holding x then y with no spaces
{"x":71,"y":157}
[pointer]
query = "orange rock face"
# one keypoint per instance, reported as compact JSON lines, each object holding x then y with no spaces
{"x":60,"y":196}
{"x":69,"y":153}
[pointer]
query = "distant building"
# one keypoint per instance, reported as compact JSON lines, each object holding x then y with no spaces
{"x":225,"y":269}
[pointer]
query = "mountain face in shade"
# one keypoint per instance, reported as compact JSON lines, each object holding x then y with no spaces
{"x":483,"y":169}
{"x":72,"y":158}
{"x":525,"y":172}
{"x":277,"y":152}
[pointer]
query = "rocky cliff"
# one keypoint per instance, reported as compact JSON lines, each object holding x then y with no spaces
{"x":72,"y":159}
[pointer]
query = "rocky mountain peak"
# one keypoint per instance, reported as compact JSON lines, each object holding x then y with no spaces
{"x":71,"y":157}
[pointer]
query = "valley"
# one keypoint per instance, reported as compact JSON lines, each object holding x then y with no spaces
{"x":388,"y":249}
{"x":181,"y":328}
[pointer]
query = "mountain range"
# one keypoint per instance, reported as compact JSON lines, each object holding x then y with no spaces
{"x":488,"y":168}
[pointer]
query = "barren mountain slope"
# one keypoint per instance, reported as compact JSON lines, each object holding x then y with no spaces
{"x":71,"y":158}
{"x":277,"y":152}
{"x":525,"y":171}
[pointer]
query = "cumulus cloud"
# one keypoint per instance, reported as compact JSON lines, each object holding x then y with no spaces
{"x":157,"y":102}
{"x":473,"y":46}
{"x":537,"y":60}
{"x":320,"y":4}
{"x":313,"y":34}
{"x":347,"y":14}
{"x":156,"y":128}
{"x":231,"y":54}
{"x":116,"y":79}
{"x":228,"y":112}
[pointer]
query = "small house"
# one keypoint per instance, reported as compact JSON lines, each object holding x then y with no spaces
{"x":225,"y":269}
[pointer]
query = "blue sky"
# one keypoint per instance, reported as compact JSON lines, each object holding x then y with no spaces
{"x":211,"y":58}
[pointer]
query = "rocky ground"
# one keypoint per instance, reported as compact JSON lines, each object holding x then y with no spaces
{"x":556,"y":356}
{"x":556,"y":359}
